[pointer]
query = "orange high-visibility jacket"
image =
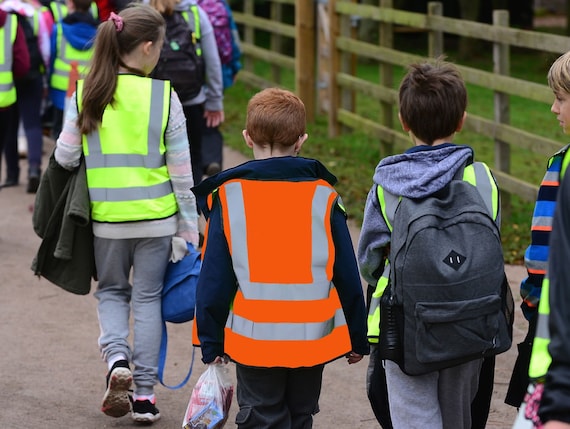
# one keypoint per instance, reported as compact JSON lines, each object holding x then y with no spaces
{"x":286,"y":312}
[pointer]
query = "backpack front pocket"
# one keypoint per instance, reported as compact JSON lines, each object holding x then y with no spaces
{"x":453,"y":331}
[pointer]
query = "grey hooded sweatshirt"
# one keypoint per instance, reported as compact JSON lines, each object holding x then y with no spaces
{"x":416,"y":173}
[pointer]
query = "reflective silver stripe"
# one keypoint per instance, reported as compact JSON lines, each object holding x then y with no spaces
{"x":284,"y":291}
{"x":484,"y":186}
{"x":551,"y":176}
{"x":284,"y":331}
{"x":154,"y":159}
{"x":319,"y":289}
{"x":58,"y":12}
{"x":123,"y":160}
{"x":320,"y":253}
{"x":536,"y":265}
{"x":155,"y":114}
{"x":240,"y":257}
{"x":63,"y":43}
{"x":130,"y":194}
{"x":542,"y":330}
{"x":542,"y":220}
{"x":6,"y":66}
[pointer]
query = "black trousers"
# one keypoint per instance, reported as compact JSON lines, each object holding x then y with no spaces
{"x":278,"y":398}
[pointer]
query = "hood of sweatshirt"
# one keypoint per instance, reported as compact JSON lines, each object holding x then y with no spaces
{"x":185,"y":4}
{"x":421,"y":170}
{"x":79,"y":29}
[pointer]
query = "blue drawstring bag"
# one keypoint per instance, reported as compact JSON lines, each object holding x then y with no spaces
{"x":179,"y":302}
{"x":179,"y":290}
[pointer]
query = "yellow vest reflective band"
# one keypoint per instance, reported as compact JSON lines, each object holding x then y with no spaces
{"x":126,"y":169}
{"x":59,"y":10}
{"x":7,"y":39}
{"x":286,"y":312}
{"x":197,"y":33}
{"x":374,"y":305}
{"x":479,"y":175}
{"x":540,"y":358}
{"x":66,"y":54}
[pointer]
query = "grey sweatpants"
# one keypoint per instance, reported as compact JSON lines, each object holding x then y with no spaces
{"x":438,"y":400}
{"x":114,"y":259}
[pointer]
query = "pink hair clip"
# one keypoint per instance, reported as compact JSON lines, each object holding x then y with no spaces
{"x":117,"y":20}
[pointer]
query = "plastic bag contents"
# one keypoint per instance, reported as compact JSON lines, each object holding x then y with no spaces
{"x":211,"y":399}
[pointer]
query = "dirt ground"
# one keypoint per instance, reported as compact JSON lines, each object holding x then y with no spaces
{"x":52,"y":375}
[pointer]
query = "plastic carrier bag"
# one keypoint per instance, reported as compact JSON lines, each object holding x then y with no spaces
{"x":211,"y":399}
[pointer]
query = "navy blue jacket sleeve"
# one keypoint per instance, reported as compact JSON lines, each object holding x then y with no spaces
{"x":216,"y":289}
{"x":346,"y":279}
{"x":556,"y":396}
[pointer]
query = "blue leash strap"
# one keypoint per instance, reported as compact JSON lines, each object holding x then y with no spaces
{"x":162,"y":361}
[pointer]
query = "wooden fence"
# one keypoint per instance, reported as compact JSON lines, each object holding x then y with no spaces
{"x":326,"y":46}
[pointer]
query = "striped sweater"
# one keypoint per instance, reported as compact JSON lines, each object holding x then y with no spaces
{"x":536,"y":255}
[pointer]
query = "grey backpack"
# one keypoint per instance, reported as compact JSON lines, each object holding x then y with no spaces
{"x":447,"y":275}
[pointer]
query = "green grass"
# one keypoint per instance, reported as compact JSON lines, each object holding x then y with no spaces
{"x":353,"y":157}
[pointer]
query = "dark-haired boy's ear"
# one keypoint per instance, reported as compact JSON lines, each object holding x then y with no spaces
{"x":404,"y":125}
{"x":461,"y":122}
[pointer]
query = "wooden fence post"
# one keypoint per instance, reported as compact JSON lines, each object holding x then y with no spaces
{"x":435,"y":37}
{"x":324,"y":49}
{"x":249,"y":35}
{"x":334,"y":65}
{"x":501,"y":61}
{"x":305,"y":70}
{"x":387,"y":80}
{"x":276,"y":42}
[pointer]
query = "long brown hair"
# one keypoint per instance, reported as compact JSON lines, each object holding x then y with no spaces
{"x":140,"y":23}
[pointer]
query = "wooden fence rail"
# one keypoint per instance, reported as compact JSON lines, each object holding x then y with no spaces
{"x":323,"y":33}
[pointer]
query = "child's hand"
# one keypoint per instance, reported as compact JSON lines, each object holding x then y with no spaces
{"x":214,"y":118}
{"x":221,"y":360}
{"x":353,"y":358}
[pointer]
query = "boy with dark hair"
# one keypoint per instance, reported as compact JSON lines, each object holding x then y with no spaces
{"x":279,"y":291}
{"x":433,"y":99}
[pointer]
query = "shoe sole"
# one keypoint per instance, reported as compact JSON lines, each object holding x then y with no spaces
{"x":116,"y":401}
{"x":147,"y":418}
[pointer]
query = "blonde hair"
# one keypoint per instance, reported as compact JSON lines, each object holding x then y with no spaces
{"x":559,"y":74}
{"x":164,"y":7}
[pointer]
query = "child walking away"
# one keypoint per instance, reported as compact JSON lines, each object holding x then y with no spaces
{"x":71,"y":40}
{"x":37,"y":23}
{"x":130,"y":131}
{"x":14,"y":64}
{"x":227,"y":39}
{"x":279,"y":292}
{"x":206,"y":102}
{"x":450,"y":302}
